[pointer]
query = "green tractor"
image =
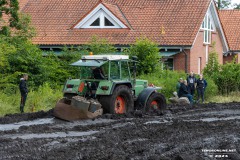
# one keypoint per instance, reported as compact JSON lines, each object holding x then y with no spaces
{"x":106,"y":85}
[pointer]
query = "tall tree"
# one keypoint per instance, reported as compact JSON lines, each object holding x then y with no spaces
{"x":10,"y":8}
{"x":223,"y":4}
{"x":236,"y":5}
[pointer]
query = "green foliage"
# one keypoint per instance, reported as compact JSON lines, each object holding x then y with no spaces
{"x":223,"y":4}
{"x":44,"y":98}
{"x":212,"y":68}
{"x":211,"y":90}
{"x":166,"y":79}
{"x":236,"y":5}
{"x":226,"y":77}
{"x":49,"y":98}
{"x":27,"y":31}
{"x":148,"y":55}
{"x":100,"y":45}
{"x":232,"y":97}
{"x":10,"y":8}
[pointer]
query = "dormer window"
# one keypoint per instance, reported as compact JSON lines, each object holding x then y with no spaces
{"x":100,"y":17}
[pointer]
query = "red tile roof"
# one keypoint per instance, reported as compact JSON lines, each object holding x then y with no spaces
{"x":230,"y":20}
{"x":181,"y":20}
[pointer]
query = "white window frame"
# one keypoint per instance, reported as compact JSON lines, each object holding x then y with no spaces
{"x":207,"y":26}
{"x":100,"y":12}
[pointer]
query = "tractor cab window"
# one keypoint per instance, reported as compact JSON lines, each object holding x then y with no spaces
{"x":125,"y":70}
{"x":85,"y":73}
{"x":100,"y":72}
{"x":115,"y":70}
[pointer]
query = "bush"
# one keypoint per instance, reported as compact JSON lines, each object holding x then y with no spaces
{"x":168,"y":81}
{"x":148,"y":56}
{"x":211,"y":90}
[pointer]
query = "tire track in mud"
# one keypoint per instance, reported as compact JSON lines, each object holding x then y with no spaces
{"x":181,"y":133}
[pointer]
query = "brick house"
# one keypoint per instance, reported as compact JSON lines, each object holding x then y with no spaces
{"x":184,"y":30}
{"x":230,"y":20}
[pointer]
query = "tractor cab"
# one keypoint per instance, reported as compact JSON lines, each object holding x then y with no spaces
{"x":98,"y":73}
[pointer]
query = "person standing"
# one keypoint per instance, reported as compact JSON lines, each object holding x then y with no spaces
{"x":178,"y":85}
{"x":191,"y":81}
{"x":24,"y":91}
{"x":201,"y":86}
{"x":183,"y":91}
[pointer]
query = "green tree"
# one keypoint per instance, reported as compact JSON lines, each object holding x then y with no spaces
{"x":212,"y":67}
{"x":223,"y":4}
{"x":148,"y":55}
{"x":99,"y":45}
{"x":236,"y":5}
{"x":10,"y":8}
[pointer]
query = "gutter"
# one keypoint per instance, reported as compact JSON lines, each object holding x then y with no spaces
{"x":186,"y":60}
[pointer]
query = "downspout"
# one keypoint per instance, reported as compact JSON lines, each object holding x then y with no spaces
{"x":186,"y":60}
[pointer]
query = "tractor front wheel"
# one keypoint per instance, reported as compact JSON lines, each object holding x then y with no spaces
{"x":156,"y":102}
{"x":121,"y":101}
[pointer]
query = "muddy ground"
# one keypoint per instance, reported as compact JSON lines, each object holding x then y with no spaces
{"x":207,"y":131}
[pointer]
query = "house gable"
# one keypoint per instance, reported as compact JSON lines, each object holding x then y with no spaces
{"x":211,"y":23}
{"x":100,"y":17}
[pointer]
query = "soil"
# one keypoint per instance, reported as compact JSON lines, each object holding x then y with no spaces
{"x":204,"y":131}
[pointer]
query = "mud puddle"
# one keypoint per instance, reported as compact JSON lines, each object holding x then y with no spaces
{"x":52,"y":135}
{"x":216,"y":119}
{"x":6,"y":127}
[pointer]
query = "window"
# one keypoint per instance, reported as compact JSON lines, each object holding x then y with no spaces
{"x":96,"y":22}
{"x":107,"y":22}
{"x":208,"y":27}
{"x":125,"y":70}
{"x":100,"y":17}
{"x":115,"y":70}
{"x":168,"y":64}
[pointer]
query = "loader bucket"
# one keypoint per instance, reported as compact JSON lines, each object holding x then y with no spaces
{"x":77,"y":108}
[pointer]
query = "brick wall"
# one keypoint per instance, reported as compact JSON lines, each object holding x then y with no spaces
{"x":229,"y":58}
{"x":199,"y":50}
{"x":179,"y":61}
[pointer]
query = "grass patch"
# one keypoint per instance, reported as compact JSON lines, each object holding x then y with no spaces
{"x":232,"y":97}
{"x":44,"y":98}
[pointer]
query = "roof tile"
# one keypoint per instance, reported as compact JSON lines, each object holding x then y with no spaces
{"x":230,"y":20}
{"x":181,"y":20}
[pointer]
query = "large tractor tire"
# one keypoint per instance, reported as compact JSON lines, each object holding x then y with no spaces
{"x":121,"y":101}
{"x":156,"y":103}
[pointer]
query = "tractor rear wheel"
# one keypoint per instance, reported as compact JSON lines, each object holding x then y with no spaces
{"x":121,"y":101}
{"x":156,"y":102}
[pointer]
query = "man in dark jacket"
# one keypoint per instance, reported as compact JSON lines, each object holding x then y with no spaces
{"x":191,"y":81}
{"x":201,"y":86}
{"x":183,"y":91}
{"x":24,"y":91}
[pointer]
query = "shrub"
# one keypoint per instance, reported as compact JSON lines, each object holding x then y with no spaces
{"x":168,"y":81}
{"x":165,"y":79}
{"x":148,"y":55}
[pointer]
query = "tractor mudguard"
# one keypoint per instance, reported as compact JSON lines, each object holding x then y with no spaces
{"x":120,"y":83}
{"x":144,"y":95}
